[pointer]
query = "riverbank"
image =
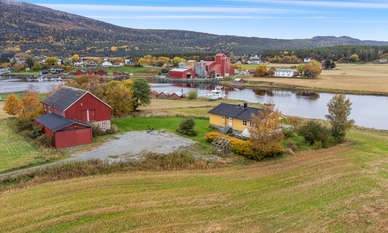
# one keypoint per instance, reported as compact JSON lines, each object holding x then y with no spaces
{"x":358,"y":79}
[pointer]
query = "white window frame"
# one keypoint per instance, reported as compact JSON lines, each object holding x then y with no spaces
{"x":244,"y":123}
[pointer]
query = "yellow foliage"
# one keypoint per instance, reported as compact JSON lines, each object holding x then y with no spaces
{"x":30,"y":106}
{"x":240,"y":147}
{"x":11,"y":105}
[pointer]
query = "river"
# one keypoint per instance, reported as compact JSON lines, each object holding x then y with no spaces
{"x":367,"y":111}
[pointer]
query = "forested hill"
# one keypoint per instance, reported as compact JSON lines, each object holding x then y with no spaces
{"x":43,"y":31}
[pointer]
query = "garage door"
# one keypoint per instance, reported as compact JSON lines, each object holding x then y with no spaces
{"x":73,"y":138}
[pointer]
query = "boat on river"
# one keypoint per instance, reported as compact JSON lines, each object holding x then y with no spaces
{"x":216,"y":94}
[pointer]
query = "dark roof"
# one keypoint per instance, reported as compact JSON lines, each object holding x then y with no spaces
{"x":56,"y":123}
{"x":234,"y":111}
{"x":64,"y":97}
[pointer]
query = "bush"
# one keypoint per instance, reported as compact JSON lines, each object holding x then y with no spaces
{"x":314,"y":132}
{"x":187,"y":127}
{"x":97,"y":131}
{"x":37,"y":131}
{"x":192,"y":94}
{"x":240,"y":147}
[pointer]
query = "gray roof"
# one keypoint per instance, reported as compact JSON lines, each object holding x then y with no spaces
{"x":234,"y":111}
{"x":66,"y":97}
{"x":56,"y":123}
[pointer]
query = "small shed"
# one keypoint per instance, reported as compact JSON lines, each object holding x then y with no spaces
{"x":65,"y":132}
{"x":116,"y":73}
{"x":80,"y":72}
{"x":164,"y":95}
{"x":91,"y":72}
{"x":101,"y":72}
{"x":176,"y":95}
{"x":154,"y":94}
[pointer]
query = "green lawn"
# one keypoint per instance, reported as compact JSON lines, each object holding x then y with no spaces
{"x":163,"y":123}
{"x":15,"y":152}
{"x":340,"y":189}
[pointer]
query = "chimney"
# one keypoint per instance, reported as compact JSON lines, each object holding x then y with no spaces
{"x":245,"y":105}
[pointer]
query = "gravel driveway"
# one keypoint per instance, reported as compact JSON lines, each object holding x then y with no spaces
{"x":134,"y":145}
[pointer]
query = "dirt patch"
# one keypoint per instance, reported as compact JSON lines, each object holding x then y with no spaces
{"x":135,"y":145}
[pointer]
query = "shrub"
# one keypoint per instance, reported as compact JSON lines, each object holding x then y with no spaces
{"x":97,"y":131}
{"x":313,"y":132}
{"x":187,"y":127}
{"x":37,"y":131}
{"x":192,"y":94}
{"x":209,"y":137}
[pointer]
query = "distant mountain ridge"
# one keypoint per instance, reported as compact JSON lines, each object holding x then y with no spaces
{"x":42,"y":30}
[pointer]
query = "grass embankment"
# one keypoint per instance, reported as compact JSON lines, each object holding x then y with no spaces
{"x":340,"y":189}
{"x":17,"y":153}
{"x":347,"y":78}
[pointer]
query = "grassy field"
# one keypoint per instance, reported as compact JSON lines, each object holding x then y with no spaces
{"x":341,"y":189}
{"x":16,"y":152}
{"x":347,"y":77}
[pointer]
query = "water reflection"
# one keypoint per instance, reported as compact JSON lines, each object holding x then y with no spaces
{"x":308,"y":94}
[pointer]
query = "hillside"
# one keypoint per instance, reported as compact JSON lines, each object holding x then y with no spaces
{"x":341,"y":189}
{"x":45,"y":31}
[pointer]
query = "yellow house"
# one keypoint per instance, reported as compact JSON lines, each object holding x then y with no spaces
{"x":237,"y":117}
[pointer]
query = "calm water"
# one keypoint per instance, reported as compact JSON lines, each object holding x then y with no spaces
{"x":367,"y":111}
{"x":15,"y":85}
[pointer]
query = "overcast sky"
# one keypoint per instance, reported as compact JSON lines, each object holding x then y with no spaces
{"x":281,"y":19}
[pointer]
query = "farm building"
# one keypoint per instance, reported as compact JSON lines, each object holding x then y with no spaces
{"x":154,"y":94}
{"x":164,"y":95}
{"x":176,"y":95}
{"x":181,"y":73}
{"x":76,"y":105}
{"x":80,"y":72}
{"x":65,"y":132}
{"x":102,"y":72}
{"x":91,"y":72}
{"x":284,"y":72}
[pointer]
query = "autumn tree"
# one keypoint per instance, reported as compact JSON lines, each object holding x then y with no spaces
{"x":354,"y":58}
{"x":339,"y":110}
{"x":176,"y":60}
{"x":265,"y":136}
{"x":261,"y":70}
{"x":141,"y":93}
{"x":37,"y":66}
{"x":90,"y":83}
{"x":75,"y":57}
{"x":119,"y":96}
{"x":30,"y":106}
{"x":51,"y":60}
{"x":11,"y":105}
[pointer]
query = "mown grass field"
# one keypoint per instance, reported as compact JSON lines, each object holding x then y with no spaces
{"x":347,"y":77}
{"x":341,"y":189}
{"x":16,"y":152}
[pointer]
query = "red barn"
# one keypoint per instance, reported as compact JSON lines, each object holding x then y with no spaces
{"x":220,"y":67}
{"x":181,"y":73}
{"x":76,"y":105}
{"x":91,"y":72}
{"x":101,"y":72}
{"x":80,"y":72}
{"x":65,"y":132}
{"x":116,"y":73}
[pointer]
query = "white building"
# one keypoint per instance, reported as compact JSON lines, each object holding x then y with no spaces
{"x":106,"y":64}
{"x":284,"y":73}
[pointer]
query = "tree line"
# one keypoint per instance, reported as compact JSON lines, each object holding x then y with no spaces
{"x":341,"y":53}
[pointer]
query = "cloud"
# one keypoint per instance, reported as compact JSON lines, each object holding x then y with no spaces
{"x":331,"y":4}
